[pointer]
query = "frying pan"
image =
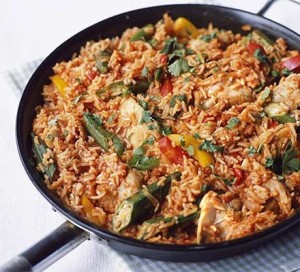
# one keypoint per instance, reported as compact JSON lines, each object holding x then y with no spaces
{"x":76,"y":229}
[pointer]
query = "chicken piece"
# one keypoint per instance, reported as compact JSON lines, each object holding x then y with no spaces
{"x":209,"y":206}
{"x":234,"y":96}
{"x":132,"y":184}
{"x":279,"y":192}
{"x":288,"y":92}
{"x":131,"y":111}
{"x":136,"y":133}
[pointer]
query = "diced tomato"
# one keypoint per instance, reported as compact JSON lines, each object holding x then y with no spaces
{"x":273,"y":124}
{"x":167,"y":87}
{"x":163,"y":59}
{"x":91,"y":74}
{"x":293,"y":64}
{"x":252,"y":47}
{"x":174,"y":154}
{"x":239,"y":175}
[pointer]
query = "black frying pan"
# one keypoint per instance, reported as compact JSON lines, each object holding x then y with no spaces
{"x":76,"y":229}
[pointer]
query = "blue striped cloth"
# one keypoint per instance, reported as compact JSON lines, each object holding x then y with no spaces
{"x":281,"y":254}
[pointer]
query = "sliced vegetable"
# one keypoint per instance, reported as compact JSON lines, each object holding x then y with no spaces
{"x":204,"y":158}
{"x":119,"y":88}
{"x":158,"y":74}
{"x":239,"y":175}
{"x":167,"y":87}
{"x":144,"y":33}
{"x":174,"y":154}
{"x":279,"y":113}
{"x":143,"y":203}
{"x":102,"y":61}
{"x":59,"y":84}
{"x":261,"y":38}
{"x":94,"y":126}
{"x":88,"y":208}
{"x":292,"y":64}
{"x":184,"y":28}
{"x":153,"y":227}
{"x":40,"y":149}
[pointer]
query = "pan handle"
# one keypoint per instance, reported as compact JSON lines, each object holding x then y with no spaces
{"x":48,"y":250}
{"x":268,"y":4}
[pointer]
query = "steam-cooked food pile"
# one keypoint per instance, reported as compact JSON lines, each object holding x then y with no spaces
{"x":173,"y":134}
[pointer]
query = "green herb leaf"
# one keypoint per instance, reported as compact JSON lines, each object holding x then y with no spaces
{"x":197,"y":136}
{"x":52,"y":122}
{"x":170,"y":46}
{"x":158,"y":74}
{"x":180,"y":97}
{"x":232,"y":122}
{"x":205,"y":188}
{"x":118,"y":145}
{"x":142,"y":162}
{"x":78,"y":79}
{"x":265,"y":94}
{"x":146,"y":117}
{"x":229,"y":181}
{"x":182,"y":141}
{"x":143,"y":104}
{"x":209,"y":37}
{"x":145,"y":72}
{"x":275,"y":73}
{"x":210,"y":147}
{"x":251,"y":151}
{"x":190,"y":150}
{"x":286,"y":72}
{"x":150,"y":140}
{"x":261,"y":56}
{"x":178,"y":67}
{"x":165,"y":130}
{"x":111,"y":118}
{"x":269,"y":162}
{"x":290,"y":160}
{"x":284,"y":118}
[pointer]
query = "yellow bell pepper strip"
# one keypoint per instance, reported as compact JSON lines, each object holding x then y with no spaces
{"x":59,"y":84}
{"x":203,"y":157}
{"x":88,"y":208}
{"x":184,"y":28}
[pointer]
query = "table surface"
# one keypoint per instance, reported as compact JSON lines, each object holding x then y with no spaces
{"x":30,"y":30}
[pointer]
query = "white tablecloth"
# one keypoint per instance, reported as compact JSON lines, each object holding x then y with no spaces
{"x":30,"y":30}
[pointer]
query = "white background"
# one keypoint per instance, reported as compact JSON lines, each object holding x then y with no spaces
{"x":29,"y":30}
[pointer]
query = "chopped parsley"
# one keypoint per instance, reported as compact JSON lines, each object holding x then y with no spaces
{"x":180,"y":97}
{"x":149,"y":141}
{"x":178,"y":67}
{"x":232,"y":122}
{"x":209,"y":37}
{"x":52,"y":122}
{"x":170,"y":46}
{"x":145,"y":72}
{"x":182,"y":141}
{"x":111,"y":118}
{"x":210,"y":147}
{"x":146,"y":117}
{"x":251,"y":151}
{"x":141,"y":162}
{"x":261,"y":56}
{"x":269,"y":162}
{"x":286,"y":72}
{"x":143,"y":104}
{"x":196,"y":135}
{"x":190,"y":150}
